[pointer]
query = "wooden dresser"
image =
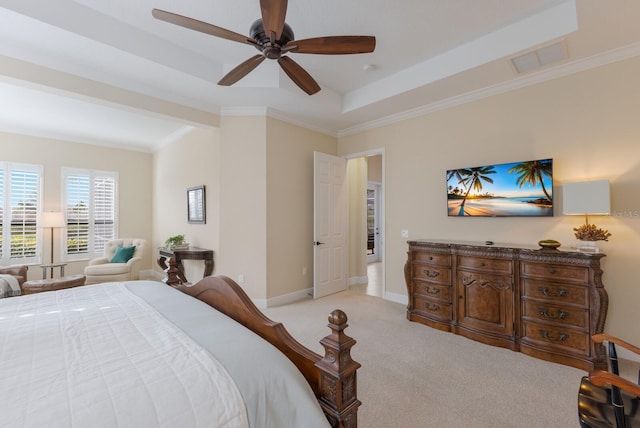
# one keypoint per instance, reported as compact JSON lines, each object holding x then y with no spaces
{"x":544,"y":303}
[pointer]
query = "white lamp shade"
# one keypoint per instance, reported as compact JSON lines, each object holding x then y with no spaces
{"x":586,"y":197}
{"x":52,"y":219}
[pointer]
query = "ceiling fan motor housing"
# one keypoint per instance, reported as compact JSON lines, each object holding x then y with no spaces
{"x":269,"y":50}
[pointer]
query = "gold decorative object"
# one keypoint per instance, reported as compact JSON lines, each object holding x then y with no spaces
{"x":589,"y":232}
{"x":549,"y":244}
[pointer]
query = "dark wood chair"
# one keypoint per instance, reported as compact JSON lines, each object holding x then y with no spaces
{"x":606,"y":399}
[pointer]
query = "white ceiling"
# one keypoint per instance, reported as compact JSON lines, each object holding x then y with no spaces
{"x":106,"y":72}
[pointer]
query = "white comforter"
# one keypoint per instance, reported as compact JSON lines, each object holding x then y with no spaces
{"x":99,"y":356}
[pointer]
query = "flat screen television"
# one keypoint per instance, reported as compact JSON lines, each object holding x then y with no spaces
{"x":502,"y":190}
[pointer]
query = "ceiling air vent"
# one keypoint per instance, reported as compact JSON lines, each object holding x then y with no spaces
{"x":540,"y":57}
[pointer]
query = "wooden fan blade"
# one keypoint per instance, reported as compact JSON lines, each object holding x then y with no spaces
{"x":273,"y":15}
{"x":333,"y":45}
{"x":242,"y":70}
{"x":203,"y":27}
{"x":299,"y":76}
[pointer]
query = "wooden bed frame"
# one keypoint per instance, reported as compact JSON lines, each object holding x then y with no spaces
{"x":332,"y":377}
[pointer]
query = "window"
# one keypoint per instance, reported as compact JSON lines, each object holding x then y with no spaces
{"x":20,"y":193}
{"x":90,"y":203}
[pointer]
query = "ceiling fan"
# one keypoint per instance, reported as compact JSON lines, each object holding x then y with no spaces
{"x":274,"y":38}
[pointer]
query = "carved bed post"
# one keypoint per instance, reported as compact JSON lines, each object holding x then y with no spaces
{"x":338,"y":392}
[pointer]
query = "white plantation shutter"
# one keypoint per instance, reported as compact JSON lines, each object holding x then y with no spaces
{"x":90,"y":199}
{"x":77,"y":198}
{"x":21,"y":201}
{"x":104,"y":190}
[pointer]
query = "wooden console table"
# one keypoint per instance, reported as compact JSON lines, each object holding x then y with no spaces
{"x":544,"y":303}
{"x":171,"y":262}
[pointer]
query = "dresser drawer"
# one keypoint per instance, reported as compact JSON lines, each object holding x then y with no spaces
{"x":555,"y":293}
{"x":438,"y":274}
{"x":433,"y":258}
{"x":561,"y":315}
{"x":432,"y":308}
{"x":482,"y":263}
{"x":429,"y":289}
{"x":559,"y":273}
{"x":572,"y":340}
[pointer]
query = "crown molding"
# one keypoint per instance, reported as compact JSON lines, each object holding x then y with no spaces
{"x":609,"y":57}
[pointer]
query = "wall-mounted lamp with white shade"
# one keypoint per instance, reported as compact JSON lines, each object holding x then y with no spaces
{"x":587,"y":198}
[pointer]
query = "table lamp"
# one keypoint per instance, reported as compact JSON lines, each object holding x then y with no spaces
{"x":587,"y":198}
{"x":52,"y":220}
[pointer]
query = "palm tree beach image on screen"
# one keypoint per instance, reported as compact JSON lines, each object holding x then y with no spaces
{"x":502,"y":190}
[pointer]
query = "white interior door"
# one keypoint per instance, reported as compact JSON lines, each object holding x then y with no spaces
{"x":330,"y":225}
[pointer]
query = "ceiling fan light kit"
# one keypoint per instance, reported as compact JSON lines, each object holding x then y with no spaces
{"x":274,"y":39}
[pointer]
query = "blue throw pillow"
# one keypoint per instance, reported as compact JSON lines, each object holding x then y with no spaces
{"x":123,"y":254}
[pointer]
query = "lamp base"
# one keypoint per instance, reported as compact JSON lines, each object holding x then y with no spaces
{"x":588,"y":247}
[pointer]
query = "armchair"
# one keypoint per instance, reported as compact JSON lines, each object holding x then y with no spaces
{"x":17,"y":272}
{"x":605,"y":399}
{"x":102,"y":269}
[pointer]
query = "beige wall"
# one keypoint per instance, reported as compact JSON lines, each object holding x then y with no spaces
{"x":290,"y":205}
{"x":192,"y":160}
{"x":259,"y":177}
{"x":374,"y":168}
{"x":588,"y":123}
{"x":135,"y":212}
{"x":243,"y":192}
{"x":357,"y":197}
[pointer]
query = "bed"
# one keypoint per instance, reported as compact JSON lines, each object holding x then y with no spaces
{"x":141,"y":353}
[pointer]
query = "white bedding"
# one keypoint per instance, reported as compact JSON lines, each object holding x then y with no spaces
{"x":274,"y":393}
{"x":100,"y":356}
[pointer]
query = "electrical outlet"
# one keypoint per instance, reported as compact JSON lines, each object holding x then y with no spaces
{"x":241,"y":279}
{"x":405,"y":233}
{"x":304,"y":271}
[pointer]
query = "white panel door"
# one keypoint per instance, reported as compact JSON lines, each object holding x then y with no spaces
{"x":330,"y":225}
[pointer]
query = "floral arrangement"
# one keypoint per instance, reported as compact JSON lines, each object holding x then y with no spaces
{"x":175,"y":242}
{"x":589,"y":232}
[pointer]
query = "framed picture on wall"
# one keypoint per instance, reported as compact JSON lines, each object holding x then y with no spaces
{"x":196,"y":205}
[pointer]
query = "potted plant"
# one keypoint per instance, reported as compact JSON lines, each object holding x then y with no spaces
{"x":589,"y":234}
{"x":176,"y":242}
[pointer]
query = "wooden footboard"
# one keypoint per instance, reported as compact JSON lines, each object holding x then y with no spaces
{"x":332,"y":377}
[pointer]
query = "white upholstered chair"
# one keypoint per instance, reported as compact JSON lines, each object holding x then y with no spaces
{"x":103,"y":270}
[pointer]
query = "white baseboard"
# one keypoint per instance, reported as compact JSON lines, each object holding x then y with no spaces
{"x":284,"y":299}
{"x":356,"y":280}
{"x":403,"y":299}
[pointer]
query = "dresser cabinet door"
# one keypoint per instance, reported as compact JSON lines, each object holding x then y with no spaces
{"x":485,"y":302}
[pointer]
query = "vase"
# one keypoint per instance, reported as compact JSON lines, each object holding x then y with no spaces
{"x":588,"y":247}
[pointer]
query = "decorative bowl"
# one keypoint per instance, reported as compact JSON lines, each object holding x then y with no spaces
{"x":549,"y":244}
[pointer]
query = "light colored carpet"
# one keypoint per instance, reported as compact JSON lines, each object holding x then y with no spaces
{"x":416,"y":376}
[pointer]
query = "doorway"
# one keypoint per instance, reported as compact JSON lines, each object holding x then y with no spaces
{"x":373,"y":222}
{"x":370,"y":248}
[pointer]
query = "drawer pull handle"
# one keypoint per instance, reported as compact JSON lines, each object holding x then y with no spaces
{"x":434,"y":290}
{"x":544,"y":312}
{"x":552,"y":271}
{"x":545,"y":290}
{"x":431,"y":273}
{"x":430,"y":257}
{"x":432,"y":308}
{"x":482,"y":264}
{"x":560,"y":338}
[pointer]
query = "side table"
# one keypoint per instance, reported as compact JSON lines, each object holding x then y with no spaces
{"x":52,"y":266}
{"x":171,"y":262}
{"x":39,"y":285}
